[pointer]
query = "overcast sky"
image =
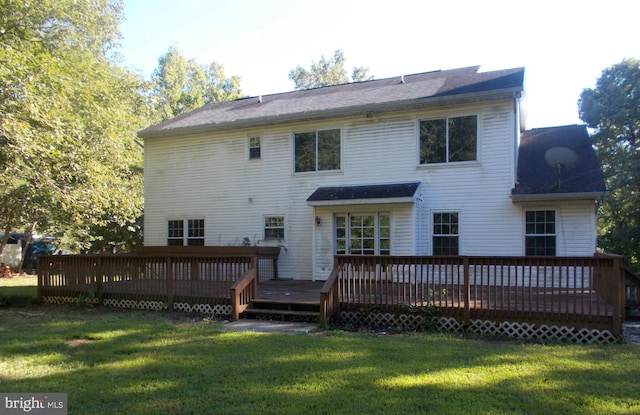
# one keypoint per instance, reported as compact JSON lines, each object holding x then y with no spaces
{"x":564,"y":45}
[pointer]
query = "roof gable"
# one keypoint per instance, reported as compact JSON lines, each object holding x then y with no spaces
{"x":407,"y":92}
{"x":536,"y":175}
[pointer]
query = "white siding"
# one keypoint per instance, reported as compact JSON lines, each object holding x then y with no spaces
{"x":210,"y":177}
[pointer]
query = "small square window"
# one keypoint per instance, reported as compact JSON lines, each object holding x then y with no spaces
{"x":254,"y":148}
{"x":274,"y":228}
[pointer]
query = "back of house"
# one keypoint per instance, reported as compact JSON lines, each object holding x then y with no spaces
{"x":435,"y":163}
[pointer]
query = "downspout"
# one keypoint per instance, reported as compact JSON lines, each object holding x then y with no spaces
{"x":516,"y":132}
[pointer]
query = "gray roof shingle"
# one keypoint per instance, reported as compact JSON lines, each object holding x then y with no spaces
{"x":536,"y":176}
{"x":417,"y":91}
{"x":376,"y":191}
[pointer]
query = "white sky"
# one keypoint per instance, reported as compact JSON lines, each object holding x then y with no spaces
{"x":563,"y":44}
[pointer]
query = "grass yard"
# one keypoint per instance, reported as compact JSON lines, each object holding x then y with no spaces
{"x":19,"y":290}
{"x":133,"y":362}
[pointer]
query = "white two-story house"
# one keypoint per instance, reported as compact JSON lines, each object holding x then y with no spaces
{"x":435,"y":163}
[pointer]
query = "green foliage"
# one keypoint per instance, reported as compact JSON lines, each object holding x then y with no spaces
{"x":159,"y":363}
{"x":612,"y":109}
{"x":182,"y":85}
{"x":69,"y":156}
{"x":327,"y":72}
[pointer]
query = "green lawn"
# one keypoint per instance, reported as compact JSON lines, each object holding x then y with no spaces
{"x":21,"y":290}
{"x":133,"y":362}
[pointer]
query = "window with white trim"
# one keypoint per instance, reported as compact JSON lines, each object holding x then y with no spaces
{"x":446,"y":233}
{"x":274,"y":228}
{"x":363,"y":233}
{"x":316,"y":150}
{"x":449,"y":140}
{"x":194,"y":235}
{"x":254,"y":148}
{"x":540,"y":233}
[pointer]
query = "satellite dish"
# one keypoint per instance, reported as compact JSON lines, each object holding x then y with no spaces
{"x":561,"y":158}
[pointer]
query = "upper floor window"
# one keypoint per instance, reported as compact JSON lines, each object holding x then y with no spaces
{"x":274,"y":227}
{"x":448,"y":140}
{"x":194,"y":234}
{"x":254,"y":148}
{"x":540,"y":233}
{"x":445,"y":233}
{"x":317,"y":150}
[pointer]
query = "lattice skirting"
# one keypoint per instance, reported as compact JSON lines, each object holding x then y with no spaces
{"x":482,"y":327}
{"x":216,"y":309}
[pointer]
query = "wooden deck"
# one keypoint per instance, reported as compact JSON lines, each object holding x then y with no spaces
{"x":290,"y":290}
{"x":576,"y":292}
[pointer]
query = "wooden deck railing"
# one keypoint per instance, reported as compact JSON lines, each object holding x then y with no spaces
{"x":179,"y":277}
{"x":330,"y":297}
{"x":584,"y":292}
{"x":243,"y":291}
{"x":632,"y":288}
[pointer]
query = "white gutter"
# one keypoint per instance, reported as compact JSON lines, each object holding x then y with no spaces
{"x":548,"y":197}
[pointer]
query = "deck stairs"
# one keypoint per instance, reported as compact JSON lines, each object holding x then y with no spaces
{"x":286,"y":300}
{"x":283,"y":310}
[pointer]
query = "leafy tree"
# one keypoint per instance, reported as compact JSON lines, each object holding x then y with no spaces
{"x":69,"y":159}
{"x":327,"y":72}
{"x":182,"y":85}
{"x":612,"y":109}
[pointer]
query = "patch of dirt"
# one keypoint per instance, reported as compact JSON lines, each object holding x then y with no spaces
{"x":75,"y":342}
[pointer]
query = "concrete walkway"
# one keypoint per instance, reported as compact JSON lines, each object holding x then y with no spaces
{"x":631,"y":331}
{"x":269,"y":326}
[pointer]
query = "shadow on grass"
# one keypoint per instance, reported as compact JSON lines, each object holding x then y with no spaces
{"x":19,"y":296}
{"x":141,"y":363}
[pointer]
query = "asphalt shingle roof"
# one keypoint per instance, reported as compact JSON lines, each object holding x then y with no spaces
{"x":417,"y":90}
{"x":377,"y":191}
{"x":537,"y":176}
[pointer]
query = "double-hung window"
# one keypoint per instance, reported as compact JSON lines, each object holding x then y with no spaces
{"x":194,"y":235}
{"x":254,"y":147}
{"x":316,"y":150}
{"x":446,"y":233}
{"x":274,"y":228}
{"x":540,"y":233}
{"x":449,"y":140}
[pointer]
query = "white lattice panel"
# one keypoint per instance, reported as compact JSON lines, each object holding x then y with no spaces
{"x":483,"y":327}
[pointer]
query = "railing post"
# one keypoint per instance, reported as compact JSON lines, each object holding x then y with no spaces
{"x":254,"y":264}
{"x":169,"y":282}
{"x":99,"y":276}
{"x":41,"y":271}
{"x":617,"y":296}
{"x":467,"y":292}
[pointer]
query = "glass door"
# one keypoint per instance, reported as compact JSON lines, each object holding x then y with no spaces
{"x":362,"y":233}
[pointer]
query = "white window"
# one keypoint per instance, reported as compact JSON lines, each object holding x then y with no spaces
{"x":446,"y":233}
{"x":274,"y":228}
{"x":254,"y":148}
{"x":540,"y":233}
{"x":316,"y":150}
{"x":194,"y":236}
{"x":363,"y":233}
{"x":449,"y":140}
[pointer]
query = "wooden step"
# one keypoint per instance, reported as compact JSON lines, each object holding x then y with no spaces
{"x":285,"y":305}
{"x":276,"y":312}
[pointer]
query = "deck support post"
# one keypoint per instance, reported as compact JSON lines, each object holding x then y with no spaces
{"x":169,"y":281}
{"x":467,"y":293}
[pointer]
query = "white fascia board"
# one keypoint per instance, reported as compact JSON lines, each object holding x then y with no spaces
{"x":549,"y":197}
